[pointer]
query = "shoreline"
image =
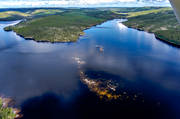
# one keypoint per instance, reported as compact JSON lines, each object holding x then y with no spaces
{"x":83,"y":33}
{"x":167,"y":42}
{"x":157,"y":37}
{"x":44,"y":41}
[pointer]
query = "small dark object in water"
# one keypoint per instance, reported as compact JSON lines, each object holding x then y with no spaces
{"x":101,"y":49}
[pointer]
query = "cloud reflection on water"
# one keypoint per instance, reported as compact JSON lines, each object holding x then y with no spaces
{"x":31,"y":69}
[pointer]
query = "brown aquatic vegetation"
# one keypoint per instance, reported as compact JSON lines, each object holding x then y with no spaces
{"x":95,"y":86}
{"x":103,"y":89}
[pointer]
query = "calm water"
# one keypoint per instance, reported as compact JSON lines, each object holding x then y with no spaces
{"x":44,"y":81}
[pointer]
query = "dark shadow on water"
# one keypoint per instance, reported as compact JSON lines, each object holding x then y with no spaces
{"x":47,"y":106}
{"x":88,"y":106}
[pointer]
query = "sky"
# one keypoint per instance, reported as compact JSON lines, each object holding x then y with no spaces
{"x":81,"y":3}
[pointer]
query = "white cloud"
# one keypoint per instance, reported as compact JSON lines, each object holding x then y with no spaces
{"x":80,"y":3}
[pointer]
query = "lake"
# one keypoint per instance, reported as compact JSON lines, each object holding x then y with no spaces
{"x":44,"y":80}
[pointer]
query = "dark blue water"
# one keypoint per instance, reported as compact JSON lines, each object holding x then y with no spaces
{"x":44,"y":81}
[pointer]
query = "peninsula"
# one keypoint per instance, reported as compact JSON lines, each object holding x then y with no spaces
{"x":66,"y":27}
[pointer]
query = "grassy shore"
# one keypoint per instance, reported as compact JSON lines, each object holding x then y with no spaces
{"x":7,"y":112}
{"x":161,"y":22}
